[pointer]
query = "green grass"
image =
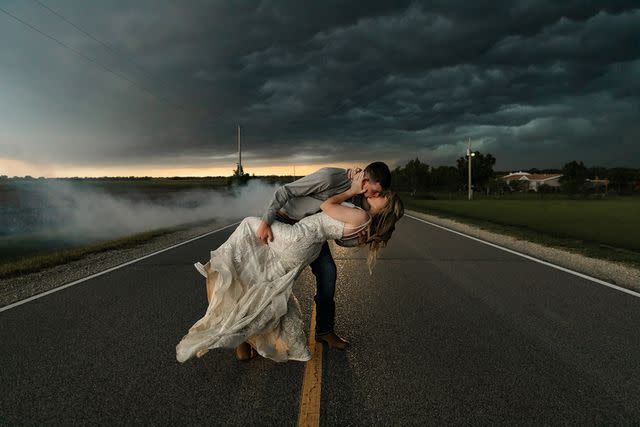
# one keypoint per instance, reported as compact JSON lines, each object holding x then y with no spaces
{"x":606,"y":228}
{"x":25,"y":245}
{"x":31,"y":264}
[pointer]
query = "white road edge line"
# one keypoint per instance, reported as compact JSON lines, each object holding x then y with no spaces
{"x":575,"y":273}
{"x":59,"y":288}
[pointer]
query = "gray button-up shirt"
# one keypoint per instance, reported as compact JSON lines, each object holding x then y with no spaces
{"x":304,"y":196}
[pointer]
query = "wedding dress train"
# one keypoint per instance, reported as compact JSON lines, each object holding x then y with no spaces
{"x":252,"y":290}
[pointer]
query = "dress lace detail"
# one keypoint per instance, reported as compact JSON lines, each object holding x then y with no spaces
{"x":252,"y":282}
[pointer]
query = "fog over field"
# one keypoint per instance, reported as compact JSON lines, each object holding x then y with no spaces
{"x":79,"y":213}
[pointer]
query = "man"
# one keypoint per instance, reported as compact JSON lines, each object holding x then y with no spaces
{"x":302,"y":198}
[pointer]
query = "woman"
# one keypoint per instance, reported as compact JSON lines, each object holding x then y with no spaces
{"x":249,"y":283}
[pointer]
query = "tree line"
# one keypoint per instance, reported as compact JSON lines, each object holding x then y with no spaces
{"x":416,"y":176}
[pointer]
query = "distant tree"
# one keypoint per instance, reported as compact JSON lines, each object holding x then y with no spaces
{"x":597,"y":172}
{"x":446,"y":178}
{"x":398,"y":180}
{"x":622,"y":179}
{"x":498,"y":185}
{"x":238,"y":179}
{"x":574,"y":175}
{"x":417,"y":174}
{"x":414,"y":176}
{"x":545,"y":189}
{"x":481,"y":168}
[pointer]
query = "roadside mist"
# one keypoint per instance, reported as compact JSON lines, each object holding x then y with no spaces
{"x":79,"y":213}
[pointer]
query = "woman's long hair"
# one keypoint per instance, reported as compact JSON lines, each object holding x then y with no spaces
{"x":382,"y":226}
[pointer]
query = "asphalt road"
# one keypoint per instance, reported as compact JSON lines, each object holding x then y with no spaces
{"x":446,"y":331}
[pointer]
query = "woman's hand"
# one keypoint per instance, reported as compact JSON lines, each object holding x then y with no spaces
{"x":356,"y":183}
{"x":333,"y":202}
{"x":351,"y":172}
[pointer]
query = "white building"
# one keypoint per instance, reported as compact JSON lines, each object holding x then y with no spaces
{"x":534,"y":180}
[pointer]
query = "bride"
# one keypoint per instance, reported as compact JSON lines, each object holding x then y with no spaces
{"x":249,"y":283}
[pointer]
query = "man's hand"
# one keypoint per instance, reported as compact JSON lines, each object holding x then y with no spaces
{"x":264,"y":232}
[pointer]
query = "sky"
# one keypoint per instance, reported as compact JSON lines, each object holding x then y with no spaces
{"x":157,"y":88}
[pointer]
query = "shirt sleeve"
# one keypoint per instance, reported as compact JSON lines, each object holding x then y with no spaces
{"x":316,"y":182}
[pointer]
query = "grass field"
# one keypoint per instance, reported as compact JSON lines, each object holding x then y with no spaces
{"x":15,"y":192}
{"x":16,"y":266}
{"x":605,"y":228}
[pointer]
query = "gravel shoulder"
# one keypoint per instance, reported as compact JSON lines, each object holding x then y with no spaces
{"x":18,"y":288}
{"x":612,"y":272}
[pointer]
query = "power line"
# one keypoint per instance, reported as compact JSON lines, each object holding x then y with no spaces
{"x":108,"y":47}
{"x":95,"y":62}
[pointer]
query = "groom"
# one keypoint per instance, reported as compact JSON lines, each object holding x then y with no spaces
{"x":302,"y":198}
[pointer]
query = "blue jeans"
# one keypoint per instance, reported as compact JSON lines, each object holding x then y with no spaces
{"x":324,"y":268}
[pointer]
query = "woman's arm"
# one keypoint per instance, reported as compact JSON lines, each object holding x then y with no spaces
{"x":316,"y":182}
{"x":335,"y":210}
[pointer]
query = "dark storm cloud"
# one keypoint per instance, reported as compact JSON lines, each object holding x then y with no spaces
{"x":535,"y":83}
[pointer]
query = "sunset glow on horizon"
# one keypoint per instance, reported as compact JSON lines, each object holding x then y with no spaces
{"x":16,"y":168}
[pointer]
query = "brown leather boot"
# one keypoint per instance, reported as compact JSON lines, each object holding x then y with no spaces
{"x":244,"y":351}
{"x":333,"y":340}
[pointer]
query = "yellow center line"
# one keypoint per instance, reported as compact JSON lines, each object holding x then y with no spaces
{"x":309,"y":414}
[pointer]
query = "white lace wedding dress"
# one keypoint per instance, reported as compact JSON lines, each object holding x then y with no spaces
{"x":252,"y":299}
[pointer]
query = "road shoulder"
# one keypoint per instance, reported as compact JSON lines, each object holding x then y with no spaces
{"x":25,"y":286}
{"x":612,"y":272}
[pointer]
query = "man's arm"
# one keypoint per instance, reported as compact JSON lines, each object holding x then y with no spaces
{"x":313,"y":183}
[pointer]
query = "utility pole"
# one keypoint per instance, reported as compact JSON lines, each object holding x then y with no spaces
{"x":239,"y":170}
{"x":469,"y":156}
